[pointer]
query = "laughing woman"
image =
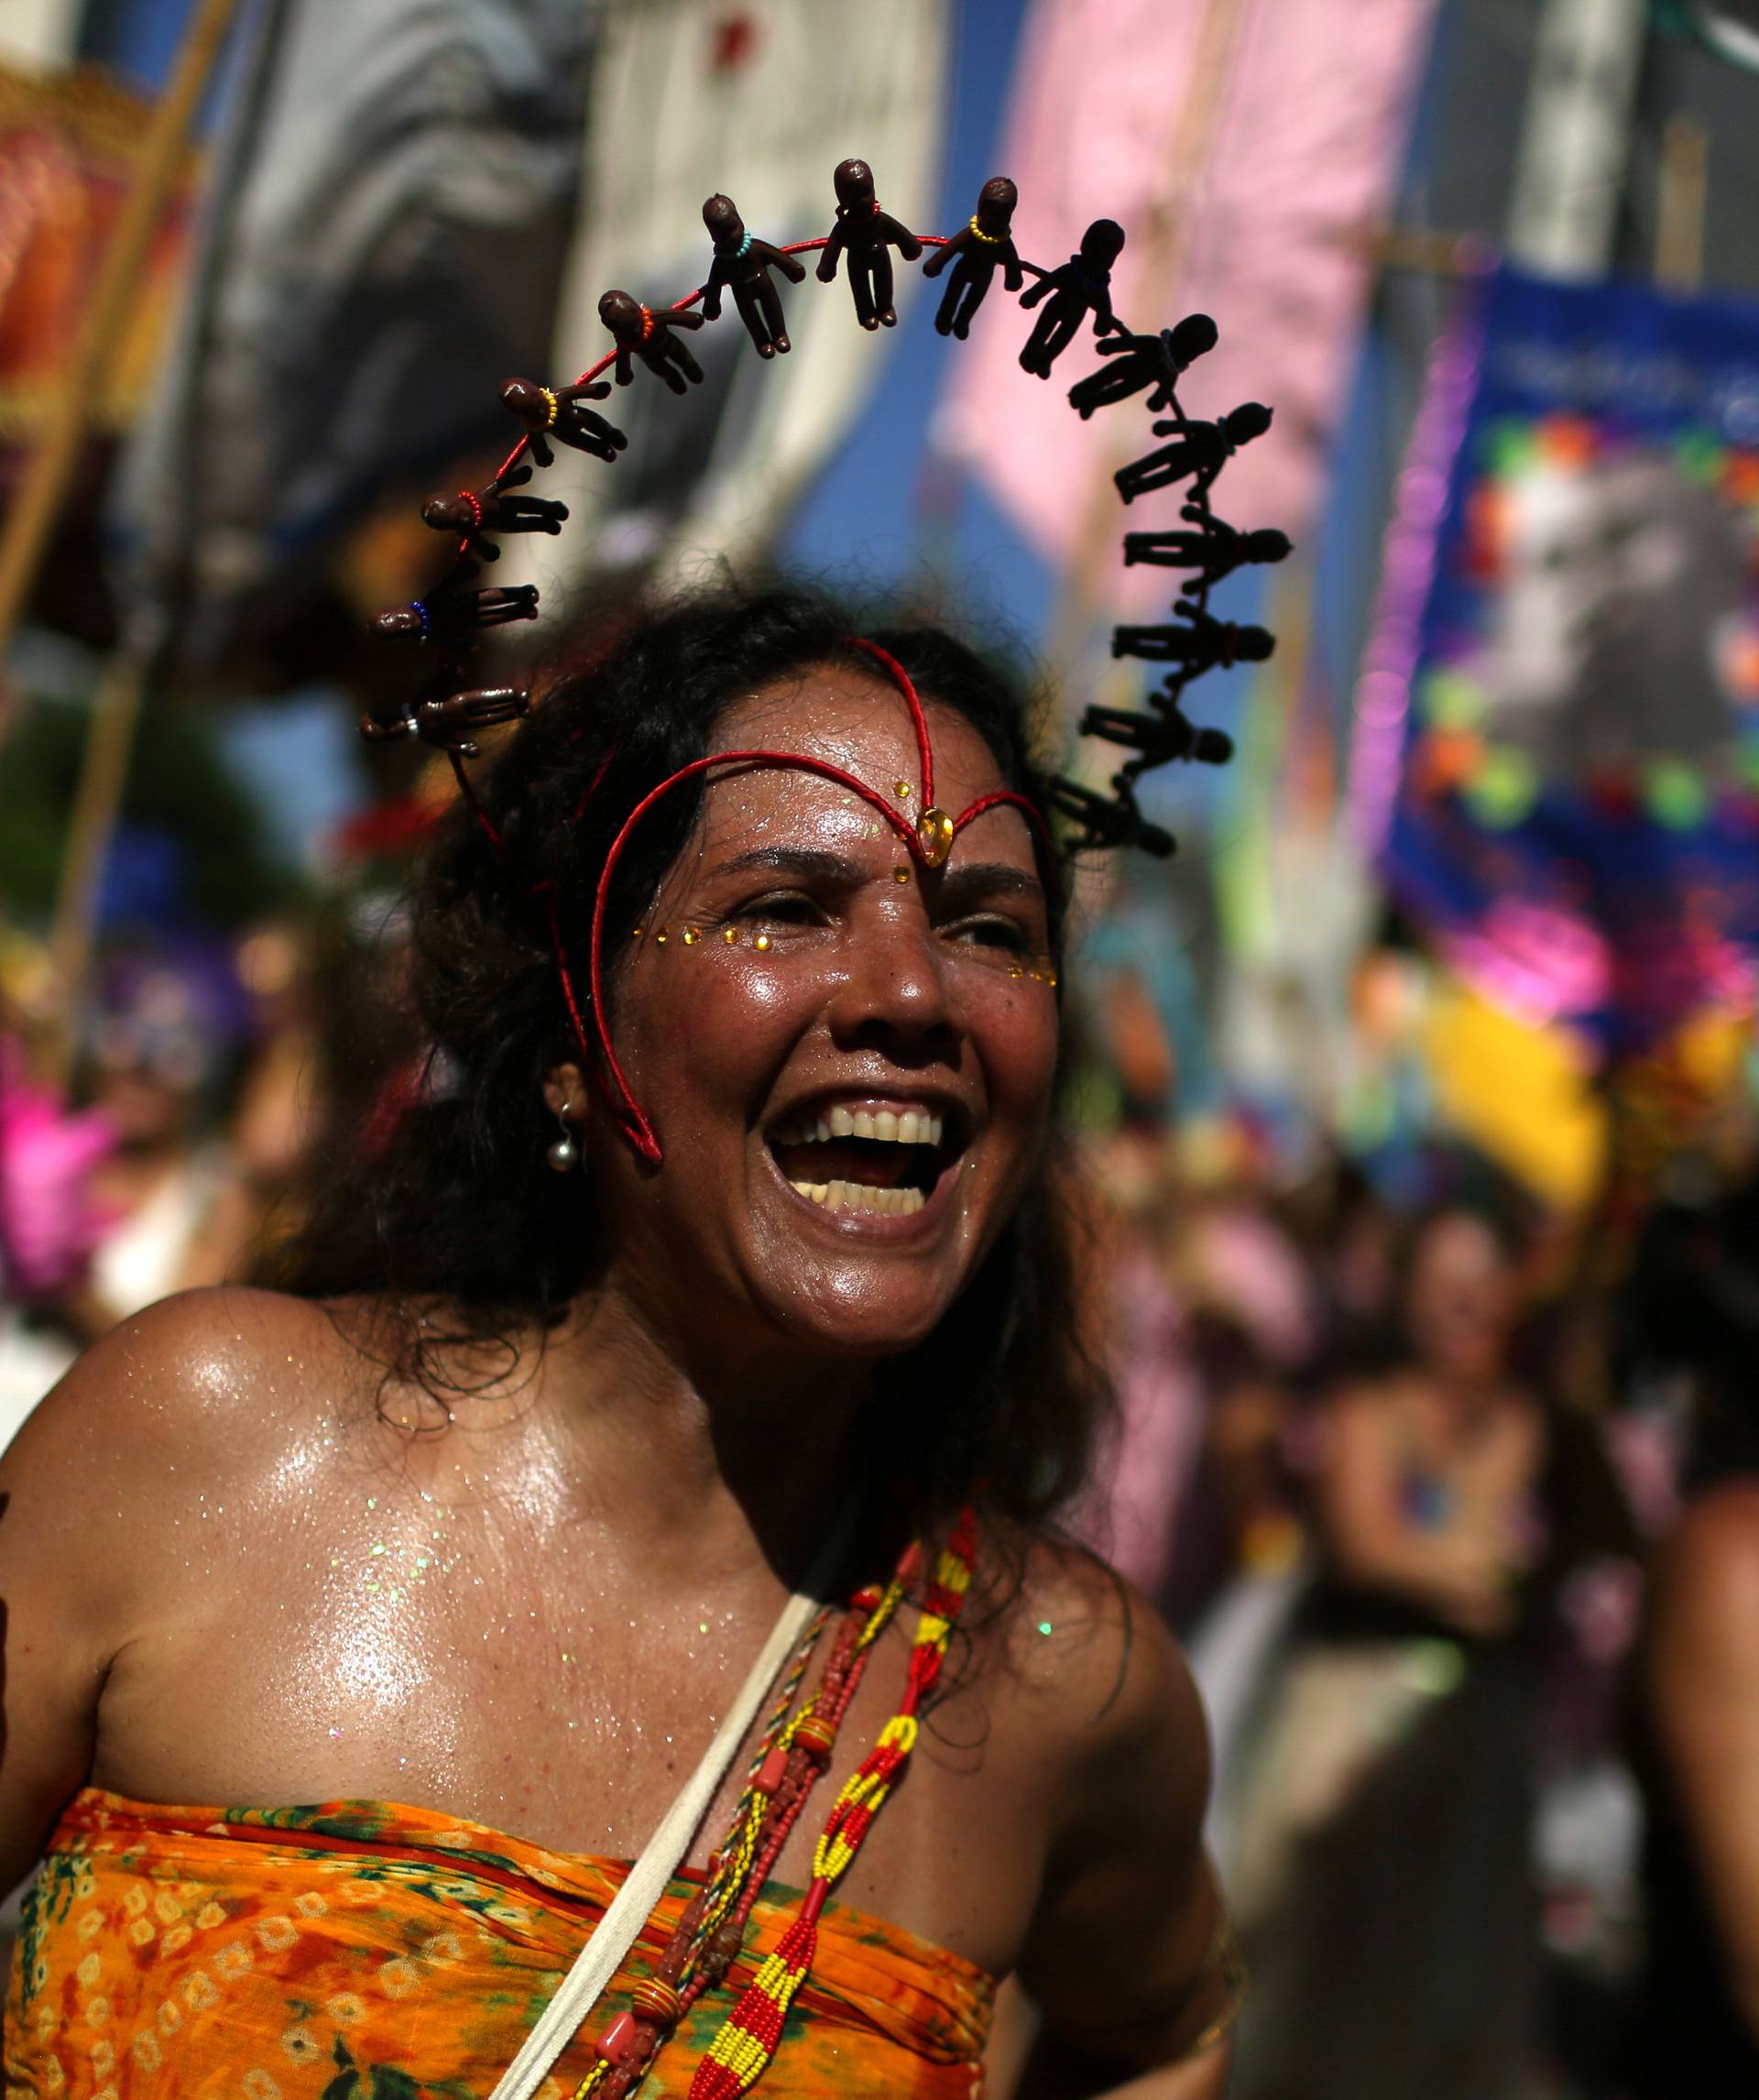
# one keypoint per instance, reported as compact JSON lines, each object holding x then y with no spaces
{"x":721,"y":1262}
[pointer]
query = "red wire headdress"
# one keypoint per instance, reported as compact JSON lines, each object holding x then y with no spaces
{"x":447,"y":711}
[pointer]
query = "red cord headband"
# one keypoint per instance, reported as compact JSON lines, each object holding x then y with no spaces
{"x":928,"y":841}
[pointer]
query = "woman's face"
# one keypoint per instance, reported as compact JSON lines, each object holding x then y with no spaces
{"x":849,"y":1065}
{"x":1460,"y":1298}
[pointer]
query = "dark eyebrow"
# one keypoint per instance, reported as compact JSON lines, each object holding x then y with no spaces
{"x":968,"y":879}
{"x":810,"y":862}
{"x":959,"y":884}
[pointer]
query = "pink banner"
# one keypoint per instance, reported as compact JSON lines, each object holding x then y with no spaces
{"x":1296,"y":163}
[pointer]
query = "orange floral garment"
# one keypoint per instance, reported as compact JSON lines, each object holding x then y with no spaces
{"x":365,"y":1950}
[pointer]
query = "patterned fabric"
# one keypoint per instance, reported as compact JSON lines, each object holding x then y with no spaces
{"x":366,"y":1951}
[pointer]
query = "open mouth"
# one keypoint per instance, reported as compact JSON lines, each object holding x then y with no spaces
{"x":882,"y":1161}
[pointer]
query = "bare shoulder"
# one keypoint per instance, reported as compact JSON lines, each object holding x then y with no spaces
{"x":1718,"y":1532}
{"x":191,"y":1389}
{"x":1096,"y":1702}
{"x":1092,"y":1673}
{"x":1707,"y":1588}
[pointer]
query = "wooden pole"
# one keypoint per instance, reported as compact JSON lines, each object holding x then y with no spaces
{"x":1684,"y":195}
{"x":31,"y":518}
{"x":97,"y":799}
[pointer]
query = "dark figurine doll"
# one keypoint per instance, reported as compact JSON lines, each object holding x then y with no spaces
{"x":1159,"y":737}
{"x":1082,"y":285}
{"x":560,"y":413}
{"x":867,"y":236}
{"x":472,"y":515}
{"x":1198,"y":449}
{"x":1214,"y":549}
{"x":448,"y":719}
{"x":1139,"y":361}
{"x":983,"y":244}
{"x":1196,"y":644}
{"x":641,"y":333}
{"x":1107,"y":820}
{"x":1062,"y":301}
{"x":742,"y":264}
{"x":453,"y":611}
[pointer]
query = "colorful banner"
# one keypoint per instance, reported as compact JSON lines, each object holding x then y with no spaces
{"x":1556,"y":755}
{"x":67,"y":143}
{"x":392,"y":197}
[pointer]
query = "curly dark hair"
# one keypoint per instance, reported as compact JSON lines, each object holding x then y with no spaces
{"x":457,"y":1209}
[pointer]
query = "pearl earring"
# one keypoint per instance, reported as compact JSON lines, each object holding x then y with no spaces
{"x":563,"y":1155}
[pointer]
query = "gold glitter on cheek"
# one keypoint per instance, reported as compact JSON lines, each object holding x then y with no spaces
{"x":901,"y":874}
{"x":762,"y":941}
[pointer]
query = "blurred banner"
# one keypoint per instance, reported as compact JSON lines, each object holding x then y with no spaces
{"x":1251,"y":148}
{"x":67,"y":143}
{"x":1557,"y":727}
{"x":385,"y":229}
{"x":37,"y":34}
{"x":760,"y":102}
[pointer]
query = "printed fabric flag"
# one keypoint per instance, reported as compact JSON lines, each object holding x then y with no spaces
{"x":391,"y":203}
{"x":1556,"y":751}
{"x":68,"y":141}
{"x":1272,"y":130}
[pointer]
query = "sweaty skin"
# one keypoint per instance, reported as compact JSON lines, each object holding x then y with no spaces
{"x":229,"y":1576}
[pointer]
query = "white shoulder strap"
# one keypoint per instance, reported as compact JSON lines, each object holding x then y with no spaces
{"x":633,"y":1904}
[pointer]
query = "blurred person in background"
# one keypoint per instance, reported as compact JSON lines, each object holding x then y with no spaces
{"x":135,"y":1191}
{"x":1383,"y":1862}
{"x":158,"y":1058}
{"x":1693,"y":1307}
{"x":49,"y":1227}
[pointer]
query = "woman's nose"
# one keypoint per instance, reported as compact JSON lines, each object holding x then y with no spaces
{"x":896,"y":986}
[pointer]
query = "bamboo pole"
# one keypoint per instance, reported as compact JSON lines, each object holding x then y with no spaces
{"x":97,"y":799}
{"x":1685,"y":188}
{"x":30,"y":520}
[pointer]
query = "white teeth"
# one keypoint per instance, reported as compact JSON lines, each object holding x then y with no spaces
{"x":858,"y":1195}
{"x":914,"y":1126}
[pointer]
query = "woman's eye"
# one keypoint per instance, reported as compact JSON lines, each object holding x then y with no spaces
{"x":992,"y":934}
{"x":788,"y":908}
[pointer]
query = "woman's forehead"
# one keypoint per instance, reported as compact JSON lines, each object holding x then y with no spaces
{"x":842,"y":715}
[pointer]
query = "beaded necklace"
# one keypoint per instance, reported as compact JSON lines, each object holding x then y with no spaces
{"x":795,"y":1749}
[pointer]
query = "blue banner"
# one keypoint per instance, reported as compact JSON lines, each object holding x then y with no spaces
{"x":1562,"y":699}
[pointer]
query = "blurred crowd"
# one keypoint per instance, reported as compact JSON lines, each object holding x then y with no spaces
{"x":1440,"y":1490}
{"x":1432,"y":1487}
{"x":206,"y":1076}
